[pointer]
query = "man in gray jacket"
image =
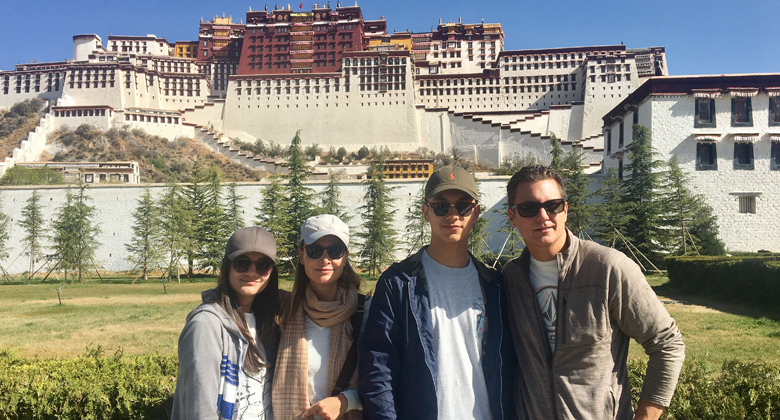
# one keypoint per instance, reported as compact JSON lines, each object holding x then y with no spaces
{"x":574,"y":305}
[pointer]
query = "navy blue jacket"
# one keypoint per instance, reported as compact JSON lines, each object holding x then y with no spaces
{"x":397,"y":357}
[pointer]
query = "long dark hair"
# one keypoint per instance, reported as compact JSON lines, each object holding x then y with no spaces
{"x":349,"y":278}
{"x":265,"y":307}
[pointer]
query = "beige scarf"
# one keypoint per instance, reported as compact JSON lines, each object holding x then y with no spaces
{"x":290,"y":384}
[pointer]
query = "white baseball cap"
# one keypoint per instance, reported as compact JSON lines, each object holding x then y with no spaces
{"x":316,"y":227}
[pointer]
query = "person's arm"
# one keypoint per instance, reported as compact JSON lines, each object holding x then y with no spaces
{"x":648,"y":411}
{"x":640,"y":315}
{"x":200,"y":356}
{"x":379,"y":357}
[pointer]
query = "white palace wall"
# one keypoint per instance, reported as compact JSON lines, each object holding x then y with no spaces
{"x":116,"y":203}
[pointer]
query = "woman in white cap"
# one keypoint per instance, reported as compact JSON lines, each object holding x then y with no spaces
{"x":320,"y":329}
{"x":228,"y":346}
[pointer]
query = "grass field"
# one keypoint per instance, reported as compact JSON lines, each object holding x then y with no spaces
{"x":140,"y":318}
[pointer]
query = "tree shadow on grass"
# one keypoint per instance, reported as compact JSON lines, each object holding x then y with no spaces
{"x":677,"y":294}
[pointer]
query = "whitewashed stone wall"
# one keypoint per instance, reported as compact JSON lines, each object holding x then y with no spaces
{"x":30,"y":149}
{"x":115,"y":205}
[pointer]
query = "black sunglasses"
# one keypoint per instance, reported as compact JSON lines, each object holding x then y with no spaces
{"x":262,"y":266}
{"x":442,"y":209}
{"x":335,"y":251}
{"x":531,"y":209}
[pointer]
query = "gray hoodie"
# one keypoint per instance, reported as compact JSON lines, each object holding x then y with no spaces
{"x":211,"y":358}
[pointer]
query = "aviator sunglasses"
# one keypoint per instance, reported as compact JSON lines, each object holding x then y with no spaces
{"x":262,"y":266}
{"x":531,"y":209}
{"x":442,"y":209}
{"x":335,"y":251}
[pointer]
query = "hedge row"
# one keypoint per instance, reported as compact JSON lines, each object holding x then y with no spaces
{"x":749,"y":279}
{"x":96,"y":386}
{"x":92,"y":386}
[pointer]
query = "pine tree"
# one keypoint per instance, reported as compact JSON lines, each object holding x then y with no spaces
{"x":301,"y":196}
{"x":378,"y":235}
{"x":645,"y":225}
{"x":75,"y":232}
{"x":417,"y":232}
{"x":175,"y":226}
{"x":212,"y":231}
{"x":694,"y":228}
{"x":513,"y":244}
{"x":274,"y":215}
{"x":5,"y":224}
{"x":33,"y":224}
{"x":144,"y":247}
{"x":331,"y":199}
{"x":195,"y":193}
{"x":478,"y":236}
{"x":577,"y":192}
{"x":610,"y":214}
{"x":556,"y":154}
{"x":234,"y":216}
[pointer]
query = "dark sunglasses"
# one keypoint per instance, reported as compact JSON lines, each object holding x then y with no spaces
{"x":262,"y":266}
{"x":531,"y":209}
{"x":442,"y":209}
{"x":335,"y":251}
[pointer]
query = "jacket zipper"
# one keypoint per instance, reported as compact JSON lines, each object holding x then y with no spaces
{"x":418,"y":322}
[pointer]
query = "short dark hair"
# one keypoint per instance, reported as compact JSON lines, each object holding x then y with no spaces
{"x":531,"y":174}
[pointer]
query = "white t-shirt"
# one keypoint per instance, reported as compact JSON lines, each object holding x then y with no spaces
{"x":254,"y":391}
{"x":458,"y":315}
{"x":544,"y":280}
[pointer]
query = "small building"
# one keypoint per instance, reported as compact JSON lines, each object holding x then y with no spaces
{"x":725,"y":132}
{"x":93,"y":172}
{"x":408,"y":168}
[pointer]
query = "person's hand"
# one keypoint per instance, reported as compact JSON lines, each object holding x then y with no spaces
{"x":648,"y":411}
{"x":330,"y":408}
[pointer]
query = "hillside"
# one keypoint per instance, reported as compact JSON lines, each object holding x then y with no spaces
{"x":158,"y":158}
{"x":16,"y":123}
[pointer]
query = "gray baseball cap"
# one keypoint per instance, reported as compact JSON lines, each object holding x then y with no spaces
{"x":316,"y":227}
{"x":251,"y":239}
{"x":451,"y":178}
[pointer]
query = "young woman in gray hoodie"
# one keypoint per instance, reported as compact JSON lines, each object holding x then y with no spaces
{"x":227,"y":349}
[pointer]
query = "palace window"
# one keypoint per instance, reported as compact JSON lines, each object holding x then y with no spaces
{"x":774,"y":157}
{"x":741,"y":112}
{"x":747,"y":204}
{"x":705,"y":113}
{"x":774,"y":111}
{"x":743,"y":156}
{"x":706,"y":156}
{"x":620,"y":138}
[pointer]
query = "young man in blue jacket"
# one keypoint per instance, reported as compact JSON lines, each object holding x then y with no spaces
{"x":436,"y":343}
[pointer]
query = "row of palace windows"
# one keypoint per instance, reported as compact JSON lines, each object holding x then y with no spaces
{"x":151,"y":119}
{"x":81,"y":113}
{"x":707,"y":156}
{"x":741,"y":112}
{"x":543,"y":88}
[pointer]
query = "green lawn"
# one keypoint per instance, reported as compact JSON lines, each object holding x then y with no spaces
{"x":141,"y":318}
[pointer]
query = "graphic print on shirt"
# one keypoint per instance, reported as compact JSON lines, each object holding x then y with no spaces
{"x":254,"y":396}
{"x":547,"y":296}
{"x":479,"y":311}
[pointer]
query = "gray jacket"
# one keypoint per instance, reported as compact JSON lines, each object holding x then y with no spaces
{"x":211,"y":357}
{"x":603,"y":301}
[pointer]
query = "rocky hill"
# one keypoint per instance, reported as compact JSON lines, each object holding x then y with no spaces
{"x":17,"y":122}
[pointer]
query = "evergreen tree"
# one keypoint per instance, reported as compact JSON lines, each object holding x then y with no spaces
{"x":301,"y":196}
{"x":556,"y":154}
{"x":175,"y":226}
{"x":33,"y":224}
{"x":478,"y":235}
{"x":196,"y":200}
{"x":234,"y":216}
{"x":331,"y":199}
{"x":641,"y":194}
{"x":5,"y":224}
{"x":417,"y":232}
{"x":75,"y":232}
{"x":577,"y":192}
{"x":693,"y":226}
{"x":378,"y":235}
{"x":212,"y":229}
{"x":274,"y":215}
{"x":513,"y":244}
{"x":610,"y":213}
{"x":144,"y":250}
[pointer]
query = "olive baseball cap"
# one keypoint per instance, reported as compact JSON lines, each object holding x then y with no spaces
{"x":451,"y":178}
{"x":251,"y":239}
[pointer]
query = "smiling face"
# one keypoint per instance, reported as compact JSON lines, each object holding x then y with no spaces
{"x":249,"y":283}
{"x":452,"y":227}
{"x":543,"y":234}
{"x":324,"y":272}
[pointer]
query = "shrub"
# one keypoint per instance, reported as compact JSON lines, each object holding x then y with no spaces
{"x":91,"y":386}
{"x":753,"y":279}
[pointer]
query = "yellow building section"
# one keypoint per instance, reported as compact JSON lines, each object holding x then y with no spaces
{"x":186,"y":49}
{"x":404,"y":39}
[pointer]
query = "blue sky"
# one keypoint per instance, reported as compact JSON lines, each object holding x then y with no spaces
{"x":701,"y":37}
